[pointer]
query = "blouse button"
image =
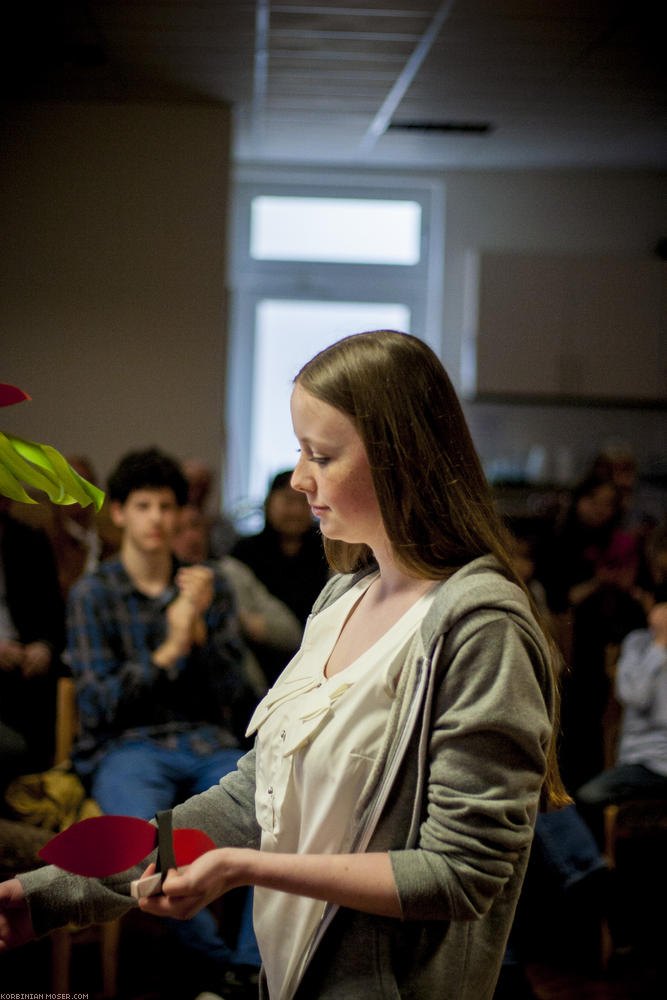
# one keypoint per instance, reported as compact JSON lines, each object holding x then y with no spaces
{"x":269,"y":790}
{"x":283,"y":734}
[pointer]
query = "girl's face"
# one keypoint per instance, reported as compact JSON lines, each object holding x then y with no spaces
{"x":334,"y":473}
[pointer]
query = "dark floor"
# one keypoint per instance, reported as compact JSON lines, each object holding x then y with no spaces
{"x":578,"y":973}
{"x":151,"y":966}
{"x":634,"y":978}
{"x":148,"y":972}
{"x":560,"y":953}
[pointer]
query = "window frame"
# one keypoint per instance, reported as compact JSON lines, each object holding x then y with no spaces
{"x":253,"y":280}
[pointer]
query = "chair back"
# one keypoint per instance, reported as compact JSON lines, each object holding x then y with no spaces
{"x":67,"y":720}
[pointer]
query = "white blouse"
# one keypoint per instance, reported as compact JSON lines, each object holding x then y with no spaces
{"x":317,"y":738}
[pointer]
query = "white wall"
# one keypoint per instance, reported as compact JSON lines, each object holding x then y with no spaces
{"x":531,"y":211}
{"x":541,"y":211}
{"x":112,"y":279}
{"x":112,"y":282}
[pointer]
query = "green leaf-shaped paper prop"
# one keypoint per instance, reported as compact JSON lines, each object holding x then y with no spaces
{"x":24,"y":463}
{"x":41,"y":466}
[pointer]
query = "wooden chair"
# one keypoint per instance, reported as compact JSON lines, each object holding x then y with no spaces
{"x":613,"y":711}
{"x":635,"y":821}
{"x":107,"y":934}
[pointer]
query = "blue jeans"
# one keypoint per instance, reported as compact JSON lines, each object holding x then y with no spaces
{"x":564,"y":856}
{"x":565,"y":847}
{"x":143,"y":778}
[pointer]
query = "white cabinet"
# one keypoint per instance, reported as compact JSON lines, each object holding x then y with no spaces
{"x":565,"y":327}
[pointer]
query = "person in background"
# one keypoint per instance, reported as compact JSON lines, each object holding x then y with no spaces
{"x":220,"y":531}
{"x":271,"y":631}
{"x":287,"y":555}
{"x":589,"y":551}
{"x":589,"y":568}
{"x":640,"y":770}
{"x":524,"y":542}
{"x":641,"y":510}
{"x":386,"y":811}
{"x":656,"y":552}
{"x":32,"y":633}
{"x":80,"y":537}
{"x":566,"y":877}
{"x":617,"y":462}
{"x":155,"y":651}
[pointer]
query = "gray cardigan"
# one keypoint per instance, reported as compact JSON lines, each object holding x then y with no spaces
{"x":453,"y":798}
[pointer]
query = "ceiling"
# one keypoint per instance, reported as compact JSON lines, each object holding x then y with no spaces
{"x":432,"y":84}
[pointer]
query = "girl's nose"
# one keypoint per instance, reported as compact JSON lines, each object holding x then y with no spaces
{"x":301,"y":480}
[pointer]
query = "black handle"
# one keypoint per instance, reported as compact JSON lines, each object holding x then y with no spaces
{"x":166,"y":858}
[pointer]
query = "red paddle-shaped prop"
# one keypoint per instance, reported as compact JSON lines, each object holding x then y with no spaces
{"x":191,"y":844}
{"x":11,"y":394}
{"x":105,"y":845}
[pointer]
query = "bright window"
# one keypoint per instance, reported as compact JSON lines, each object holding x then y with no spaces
{"x":337,"y":230}
{"x":287,"y":334}
{"x":313,"y":261}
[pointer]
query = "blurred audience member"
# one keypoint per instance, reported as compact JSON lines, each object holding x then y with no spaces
{"x":287,"y":555}
{"x":220,"y":532}
{"x":617,"y":462}
{"x":190,"y":542}
{"x":271,"y":630}
{"x":653,"y":563}
{"x":31,"y":641}
{"x":524,"y":552}
{"x":641,"y":688}
{"x":562,"y":901}
{"x":80,"y":537}
{"x":641,"y":511}
{"x":589,"y":550}
{"x":155,"y":651}
{"x":589,"y":569}
{"x":656,"y":550}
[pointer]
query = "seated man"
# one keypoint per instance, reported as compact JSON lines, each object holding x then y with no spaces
{"x":641,"y":688}
{"x":155,"y":652}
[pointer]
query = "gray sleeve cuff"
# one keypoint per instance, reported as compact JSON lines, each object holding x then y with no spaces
{"x":56,"y":898}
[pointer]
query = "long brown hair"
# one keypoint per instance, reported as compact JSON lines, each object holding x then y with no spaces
{"x":435,"y":502}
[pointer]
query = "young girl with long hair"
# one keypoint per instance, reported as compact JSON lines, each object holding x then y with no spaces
{"x":385,"y":814}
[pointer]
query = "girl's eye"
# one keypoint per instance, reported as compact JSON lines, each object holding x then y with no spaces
{"x":318,"y":459}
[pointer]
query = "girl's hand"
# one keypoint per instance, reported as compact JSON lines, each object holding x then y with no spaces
{"x":187,"y":891}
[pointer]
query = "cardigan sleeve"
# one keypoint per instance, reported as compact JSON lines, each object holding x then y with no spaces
{"x":226,"y":812}
{"x":488,"y":745}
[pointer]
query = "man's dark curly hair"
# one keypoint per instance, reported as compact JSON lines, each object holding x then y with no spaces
{"x":150,"y":469}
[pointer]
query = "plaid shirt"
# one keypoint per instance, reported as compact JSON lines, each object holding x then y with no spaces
{"x":112,"y":631}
